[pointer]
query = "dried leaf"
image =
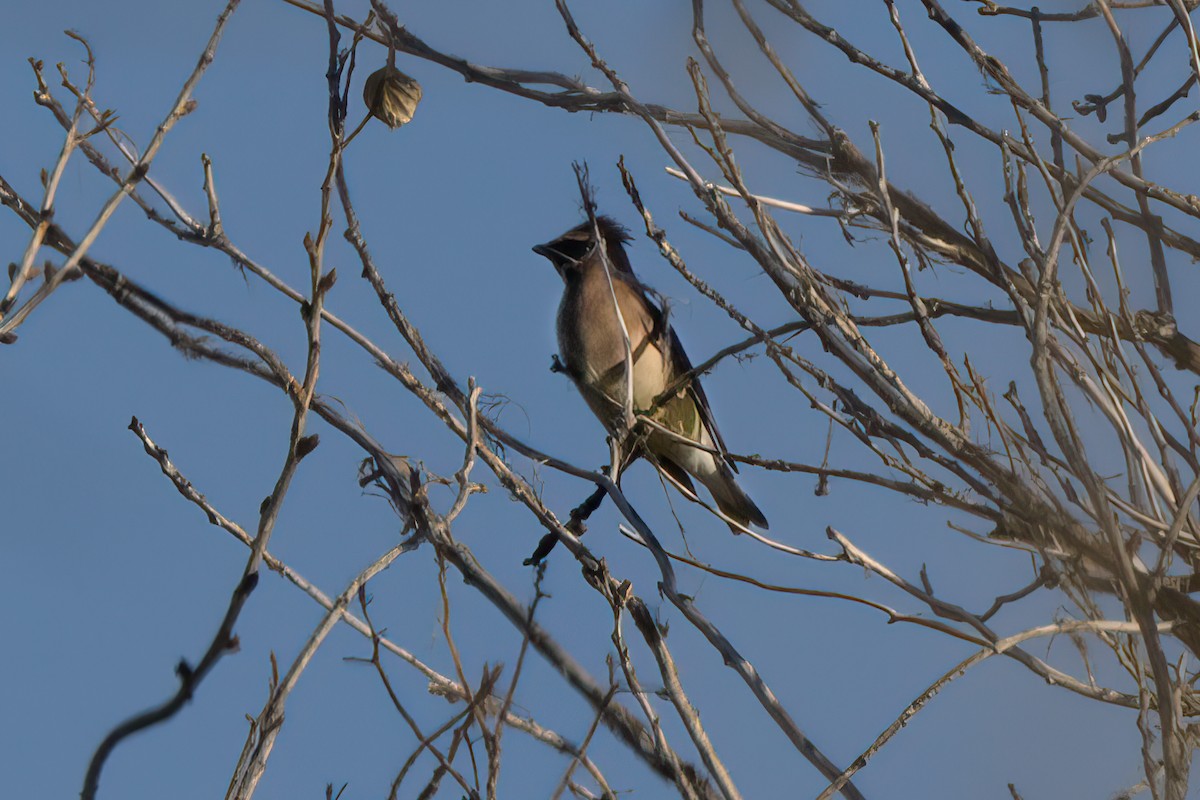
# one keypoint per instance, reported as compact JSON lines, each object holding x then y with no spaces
{"x":391,"y":96}
{"x":327,"y":281}
{"x":306,"y":445}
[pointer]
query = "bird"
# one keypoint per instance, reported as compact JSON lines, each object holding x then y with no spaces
{"x":592,"y":353}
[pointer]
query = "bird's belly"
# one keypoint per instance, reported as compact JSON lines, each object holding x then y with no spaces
{"x":591,"y":342}
{"x":600,"y":368}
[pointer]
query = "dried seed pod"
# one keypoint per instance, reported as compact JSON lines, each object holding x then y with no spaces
{"x":391,"y":96}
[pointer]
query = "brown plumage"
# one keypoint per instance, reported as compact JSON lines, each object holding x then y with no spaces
{"x":592,"y":350}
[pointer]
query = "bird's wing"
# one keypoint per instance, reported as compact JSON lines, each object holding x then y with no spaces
{"x":667,"y":342}
{"x":682,"y":365}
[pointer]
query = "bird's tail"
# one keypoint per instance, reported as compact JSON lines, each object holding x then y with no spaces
{"x":731,"y":498}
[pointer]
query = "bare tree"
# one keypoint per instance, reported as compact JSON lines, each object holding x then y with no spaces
{"x":1081,"y":453}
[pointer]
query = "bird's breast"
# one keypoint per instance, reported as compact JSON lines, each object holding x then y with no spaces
{"x":591,"y":343}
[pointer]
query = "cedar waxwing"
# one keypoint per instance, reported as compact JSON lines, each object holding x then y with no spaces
{"x":592,"y":349}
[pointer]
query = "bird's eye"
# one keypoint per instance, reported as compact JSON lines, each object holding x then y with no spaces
{"x":573,"y":249}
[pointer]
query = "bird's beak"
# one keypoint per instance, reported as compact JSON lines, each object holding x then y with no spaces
{"x":545,"y":250}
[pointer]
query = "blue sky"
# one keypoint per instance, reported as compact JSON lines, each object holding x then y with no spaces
{"x":110,"y":577}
